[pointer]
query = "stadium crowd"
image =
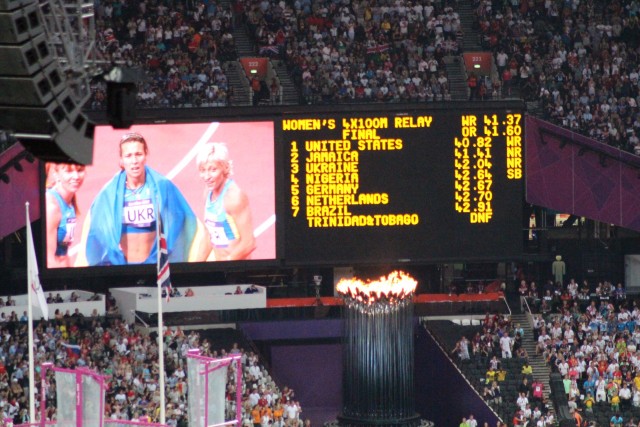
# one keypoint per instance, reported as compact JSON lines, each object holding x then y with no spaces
{"x":359,"y":51}
{"x":589,"y":335}
{"x":178,"y":45}
{"x":507,"y":382}
{"x":591,"y":341}
{"x":579,"y":58}
{"x":350,"y":51}
{"x":128,"y":358}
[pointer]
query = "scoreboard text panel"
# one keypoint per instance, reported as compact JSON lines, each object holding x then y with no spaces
{"x":403,"y":186}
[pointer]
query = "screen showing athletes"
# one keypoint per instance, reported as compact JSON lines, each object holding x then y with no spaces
{"x":421,"y":185}
{"x":209,"y":186}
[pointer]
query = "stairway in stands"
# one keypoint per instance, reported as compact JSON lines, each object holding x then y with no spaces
{"x":457,"y":78}
{"x":470,"y":42}
{"x":235,"y":73}
{"x":238,"y":81}
{"x":541,"y":371}
{"x":472,"y":39}
{"x":245,"y":47}
{"x":468,"y":18}
{"x":290,"y":95}
{"x":243,"y":41}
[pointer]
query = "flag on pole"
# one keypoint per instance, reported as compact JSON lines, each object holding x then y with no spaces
{"x":164,"y":276}
{"x":32,"y":271}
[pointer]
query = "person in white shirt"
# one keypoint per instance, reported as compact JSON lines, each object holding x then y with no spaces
{"x":180,"y":372}
{"x":522,"y":401}
{"x":581,"y":367}
{"x":556,"y":331}
{"x":624,"y":316}
{"x":254,"y":370}
{"x":122,"y":346}
{"x":292,"y":414}
{"x":542,"y":341}
{"x":625,"y":397}
{"x":563,"y":367}
{"x":254,"y":397}
{"x":631,"y":346}
{"x":601,"y":395}
{"x":471,"y":421}
{"x":569,"y":334}
{"x":536,"y":413}
{"x":266,"y":420}
{"x":506,"y":344}
{"x":526,"y":413}
{"x":635,"y":400}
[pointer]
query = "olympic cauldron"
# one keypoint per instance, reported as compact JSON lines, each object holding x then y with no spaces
{"x":378,"y":352}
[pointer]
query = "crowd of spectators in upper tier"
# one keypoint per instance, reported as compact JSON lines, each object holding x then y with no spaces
{"x":362,"y":50}
{"x":579,"y":58}
{"x":179,"y":45}
{"x":369,"y":51}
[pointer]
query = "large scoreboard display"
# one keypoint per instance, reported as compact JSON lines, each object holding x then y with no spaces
{"x":325,"y":186}
{"x":403,"y":186}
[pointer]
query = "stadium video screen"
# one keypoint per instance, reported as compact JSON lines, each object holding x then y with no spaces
{"x":208,"y":188}
{"x":403,"y":186}
{"x":392,"y":184}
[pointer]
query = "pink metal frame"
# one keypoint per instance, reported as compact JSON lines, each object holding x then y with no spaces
{"x":78,"y":372}
{"x":35,"y":424}
{"x":218,"y":364}
{"x":134,"y":423}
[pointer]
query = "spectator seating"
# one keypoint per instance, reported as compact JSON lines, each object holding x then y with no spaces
{"x":179,"y":48}
{"x":579,"y":59}
{"x":129,"y":358}
{"x":578,"y":63}
{"x":475,"y":368}
{"x":595,"y":338}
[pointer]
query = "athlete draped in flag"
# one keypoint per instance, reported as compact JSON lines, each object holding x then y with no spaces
{"x":164,"y":275}
{"x":120,"y":227}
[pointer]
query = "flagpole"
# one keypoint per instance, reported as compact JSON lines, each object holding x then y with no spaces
{"x":32,"y":376}
{"x":160,"y":333}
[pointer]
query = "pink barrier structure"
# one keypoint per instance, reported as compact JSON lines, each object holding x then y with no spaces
{"x":80,"y":397}
{"x":109,"y":423}
{"x":123,"y":423}
{"x":36,"y":424}
{"x":204,"y":396}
